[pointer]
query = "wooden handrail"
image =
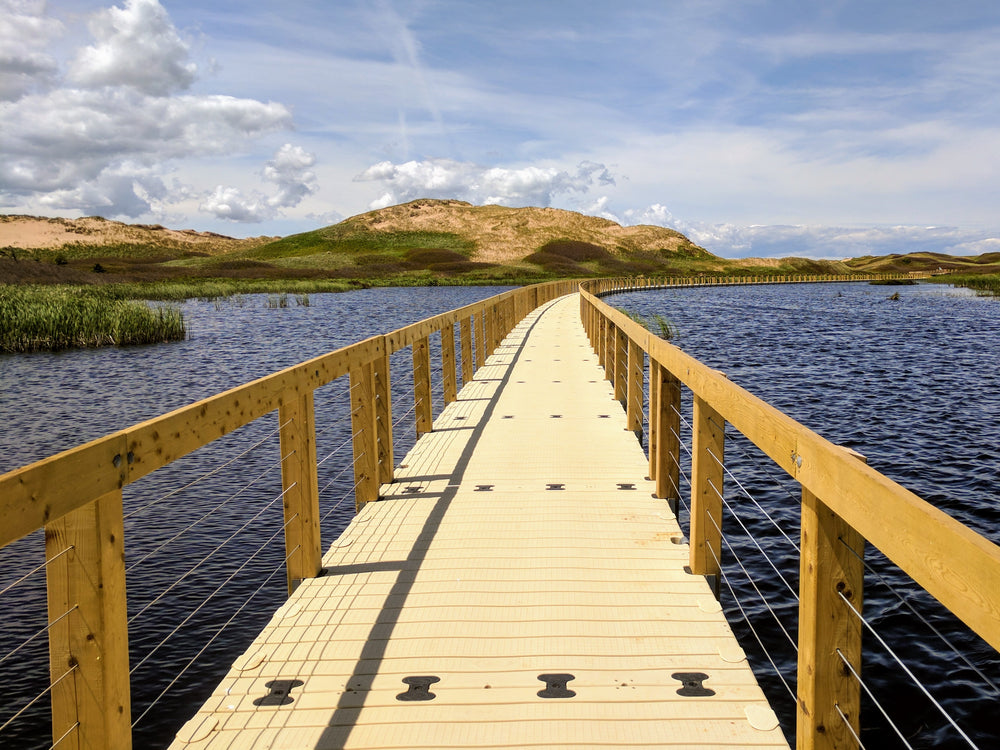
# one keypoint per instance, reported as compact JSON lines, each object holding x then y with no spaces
{"x":841,"y":495}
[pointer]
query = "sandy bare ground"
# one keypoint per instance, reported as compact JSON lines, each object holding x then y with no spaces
{"x":502,"y":234}
{"x":34,"y":233}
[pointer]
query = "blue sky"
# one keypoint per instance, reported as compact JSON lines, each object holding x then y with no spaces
{"x":826,"y":129}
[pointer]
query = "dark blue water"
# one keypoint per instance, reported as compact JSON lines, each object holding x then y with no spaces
{"x":914,"y":385}
{"x":50,"y":402}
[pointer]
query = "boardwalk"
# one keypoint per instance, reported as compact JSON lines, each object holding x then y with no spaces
{"x":520,"y":539}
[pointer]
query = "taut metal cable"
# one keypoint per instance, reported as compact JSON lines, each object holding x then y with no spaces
{"x":339,"y":448}
{"x":750,"y":579}
{"x":847,"y":724}
{"x":906,"y":669}
{"x":765,"y":468}
{"x":341,"y":501}
{"x":750,"y":536}
{"x":753,"y":630}
{"x":213,"y":510}
{"x":871,"y":696}
{"x":35,"y":570}
{"x":920,"y":617}
{"x":46,"y":629}
{"x":38,"y":697}
{"x":226,"y":624}
{"x":203,"y":560}
{"x":65,"y":735}
{"x":216,"y":470}
{"x":755,"y":501}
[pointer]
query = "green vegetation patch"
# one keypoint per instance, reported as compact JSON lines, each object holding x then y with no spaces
{"x":574,"y":250}
{"x":349,"y":241}
{"x":986,"y":285}
{"x":34,"y":318}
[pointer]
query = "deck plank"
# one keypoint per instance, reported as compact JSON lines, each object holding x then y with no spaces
{"x":504,"y":550}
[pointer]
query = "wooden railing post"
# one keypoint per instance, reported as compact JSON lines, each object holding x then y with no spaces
{"x":706,"y":492}
{"x":365,"y":430}
{"x":830,"y":565}
{"x":465,"y":334}
{"x":620,"y":379}
{"x":654,"y":419}
{"x":666,"y":456}
{"x":422,"y":385}
{"x":88,"y":647}
{"x":489,"y":323}
{"x":479,"y":323}
{"x":300,"y":487}
{"x":636,"y":368}
{"x":449,"y":368}
{"x":383,"y":418}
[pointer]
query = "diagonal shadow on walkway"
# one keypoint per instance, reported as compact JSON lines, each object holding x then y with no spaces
{"x":345,"y":716}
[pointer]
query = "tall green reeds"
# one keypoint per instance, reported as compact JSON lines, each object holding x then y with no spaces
{"x":658,"y":324}
{"x":35,"y":318}
{"x":986,"y":285}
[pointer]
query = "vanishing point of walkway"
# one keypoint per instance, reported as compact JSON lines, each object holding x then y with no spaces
{"x":518,"y":586}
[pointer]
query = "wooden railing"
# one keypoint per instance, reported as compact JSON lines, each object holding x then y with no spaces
{"x":844,"y":504}
{"x":76,"y":496}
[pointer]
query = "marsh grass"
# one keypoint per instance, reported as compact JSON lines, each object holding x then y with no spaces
{"x":50,"y":318}
{"x":657,"y":324}
{"x":986,"y":285}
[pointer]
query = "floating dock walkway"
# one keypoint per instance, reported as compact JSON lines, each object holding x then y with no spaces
{"x":518,"y":585}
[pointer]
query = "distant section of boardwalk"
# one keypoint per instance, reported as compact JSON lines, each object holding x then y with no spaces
{"x":518,"y":586}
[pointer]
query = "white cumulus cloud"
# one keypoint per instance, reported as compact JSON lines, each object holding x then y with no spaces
{"x":289,"y":169}
{"x":447,"y":178}
{"x":138,"y":46}
{"x":101,"y":136}
{"x":25,"y":32}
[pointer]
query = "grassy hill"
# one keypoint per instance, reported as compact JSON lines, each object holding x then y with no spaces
{"x":421,"y":242}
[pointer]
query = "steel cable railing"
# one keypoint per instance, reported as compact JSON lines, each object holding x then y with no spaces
{"x":762,"y":640}
{"x":869,"y":568}
{"x":191,"y":570}
{"x":909,"y":673}
{"x":749,"y":535}
{"x":37,"y":698}
{"x":250,"y":558}
{"x":206,"y":475}
{"x":875,"y":701}
{"x":187,"y":529}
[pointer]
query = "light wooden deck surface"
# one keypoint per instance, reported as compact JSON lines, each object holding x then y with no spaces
{"x":478,"y":569}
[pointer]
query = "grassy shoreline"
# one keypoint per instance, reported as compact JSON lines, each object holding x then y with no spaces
{"x":53,"y":318}
{"x":985,"y":285}
{"x":37,"y":317}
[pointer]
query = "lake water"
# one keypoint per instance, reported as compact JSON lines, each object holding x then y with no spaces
{"x":912,"y":384}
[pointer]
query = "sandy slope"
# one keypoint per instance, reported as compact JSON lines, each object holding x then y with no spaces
{"x":32,"y":232}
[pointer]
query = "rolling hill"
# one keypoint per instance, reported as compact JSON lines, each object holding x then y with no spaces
{"x":424,"y":241}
